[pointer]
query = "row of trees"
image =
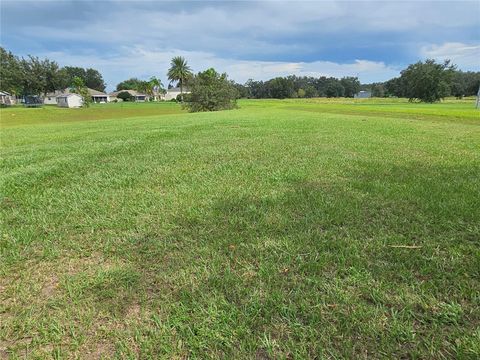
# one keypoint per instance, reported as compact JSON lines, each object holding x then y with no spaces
{"x":35,"y":76}
{"x":299,"y":87}
{"x":428,"y":81}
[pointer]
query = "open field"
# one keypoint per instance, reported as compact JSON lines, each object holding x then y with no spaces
{"x":276,"y":230}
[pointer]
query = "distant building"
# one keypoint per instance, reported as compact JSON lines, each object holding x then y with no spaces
{"x":6,"y":99}
{"x":69,"y":100}
{"x":174,"y":92}
{"x":97,"y":96}
{"x":139,"y":97}
{"x":51,"y":98}
{"x":363,"y":94}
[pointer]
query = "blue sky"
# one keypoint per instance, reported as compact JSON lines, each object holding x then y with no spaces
{"x":248,"y":39}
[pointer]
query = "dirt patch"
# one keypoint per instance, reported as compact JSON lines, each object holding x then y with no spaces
{"x":89,"y":264}
{"x":100,"y":350}
{"x":133,"y":312}
{"x":50,"y":286}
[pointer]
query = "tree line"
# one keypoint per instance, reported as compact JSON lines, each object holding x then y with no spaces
{"x":299,"y":87}
{"x":34,"y":76}
{"x":428,"y":81}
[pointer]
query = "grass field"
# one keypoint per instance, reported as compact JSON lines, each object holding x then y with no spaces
{"x":293,"y":229}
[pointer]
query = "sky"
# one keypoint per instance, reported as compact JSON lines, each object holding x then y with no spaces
{"x":373,"y":40}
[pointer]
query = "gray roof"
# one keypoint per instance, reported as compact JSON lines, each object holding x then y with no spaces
{"x":66,"y":91}
{"x":131,"y":92}
{"x":67,"y":95}
{"x":94,"y":92}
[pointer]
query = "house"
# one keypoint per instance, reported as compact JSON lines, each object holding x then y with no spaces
{"x":51,"y":98}
{"x":69,"y":100}
{"x":139,"y":97}
{"x":363,"y":94}
{"x":6,"y":99}
{"x":173,"y":93}
{"x":97,"y":96}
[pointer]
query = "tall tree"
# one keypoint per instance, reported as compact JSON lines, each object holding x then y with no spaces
{"x":351,"y":86}
{"x":33,"y":80}
{"x":427,"y":81}
{"x":155,"y":86}
{"x":130,"y":84}
{"x":11,"y":73}
{"x":180,"y":72}
{"x":91,"y":77}
{"x":94,"y":80}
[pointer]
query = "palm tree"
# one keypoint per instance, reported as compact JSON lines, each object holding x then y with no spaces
{"x":179,"y":71}
{"x":156,"y":87}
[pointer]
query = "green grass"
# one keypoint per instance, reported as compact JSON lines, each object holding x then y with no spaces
{"x":265,"y":232}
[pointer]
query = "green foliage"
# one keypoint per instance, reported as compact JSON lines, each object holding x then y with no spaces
{"x":465,"y":83}
{"x":125,"y":96}
{"x":155,"y":86}
{"x":378,"y":90}
{"x":34,"y":76}
{"x":78,"y":87}
{"x":280,"y":88}
{"x":211,"y":91}
{"x":91,"y":77}
{"x":130,"y":84}
{"x":351,"y":86}
{"x":11,"y":74}
{"x":334,"y":89}
{"x":293,"y":86}
{"x":427,"y":81}
{"x":179,"y":72}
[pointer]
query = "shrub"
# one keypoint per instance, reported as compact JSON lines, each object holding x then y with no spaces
{"x":210,"y":91}
{"x":125,"y":96}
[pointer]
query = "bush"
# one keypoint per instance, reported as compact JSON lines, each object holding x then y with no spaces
{"x":125,"y":96}
{"x":210,"y":91}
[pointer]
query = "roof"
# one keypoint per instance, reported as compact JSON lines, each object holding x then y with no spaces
{"x":131,"y":92}
{"x":67,"y":95}
{"x":67,"y":91}
{"x":4,"y":93}
{"x":94,"y":92}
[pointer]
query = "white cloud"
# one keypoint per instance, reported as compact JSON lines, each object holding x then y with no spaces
{"x":466,"y":56}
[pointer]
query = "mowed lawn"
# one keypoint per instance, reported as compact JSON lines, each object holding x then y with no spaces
{"x":293,"y":229}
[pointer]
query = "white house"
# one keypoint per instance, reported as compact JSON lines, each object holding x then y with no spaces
{"x":6,"y":99}
{"x":97,"y":96}
{"x":69,"y":100}
{"x":363,"y":94}
{"x":51,"y":98}
{"x":173,"y":93}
